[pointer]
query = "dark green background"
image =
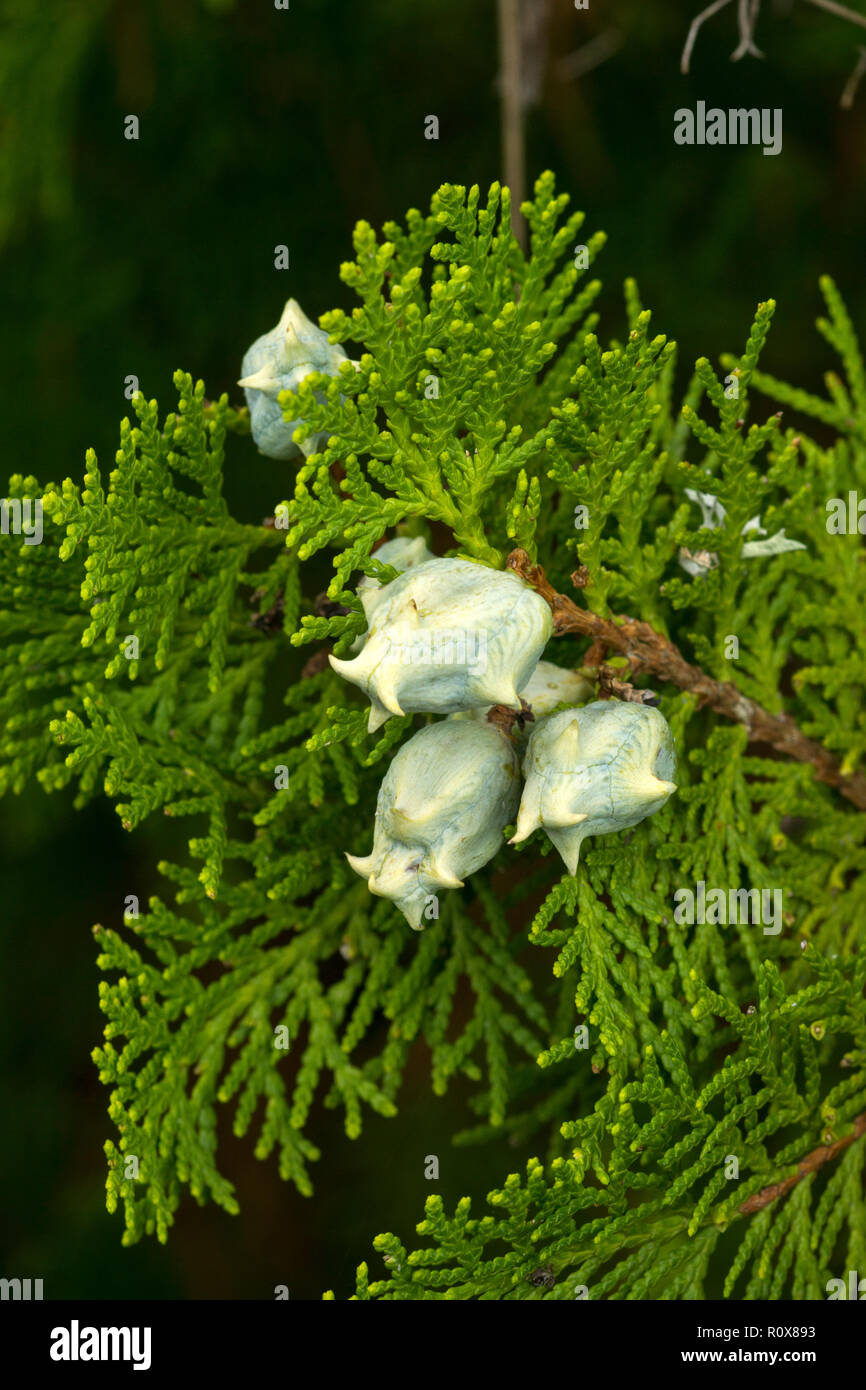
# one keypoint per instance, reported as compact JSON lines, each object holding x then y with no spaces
{"x":260,"y":127}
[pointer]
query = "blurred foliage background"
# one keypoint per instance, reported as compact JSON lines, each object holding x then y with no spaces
{"x":261,"y":126}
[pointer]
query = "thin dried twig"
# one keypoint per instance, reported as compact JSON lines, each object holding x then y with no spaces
{"x":847,"y":98}
{"x":841,"y":11}
{"x":594,"y":52}
{"x":648,"y":651}
{"x":693,"y":31}
{"x":511,"y":98}
{"x":747,"y":15}
{"x":611,"y":686}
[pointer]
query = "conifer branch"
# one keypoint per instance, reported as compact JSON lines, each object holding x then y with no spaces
{"x":649,"y":651}
{"x":825,"y":1153}
{"x":487,"y":414}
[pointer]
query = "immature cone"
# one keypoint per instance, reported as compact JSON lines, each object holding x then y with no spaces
{"x":594,"y":770}
{"x":548,"y":686}
{"x":448,"y":635}
{"x":403,"y":553}
{"x":551,"y":685}
{"x":279,"y":361}
{"x":442,"y":807}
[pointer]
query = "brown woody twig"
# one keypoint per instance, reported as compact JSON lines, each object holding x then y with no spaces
{"x":649,"y":652}
{"x":810,"y":1164}
{"x":503,"y":717}
{"x":610,"y":685}
{"x":317,"y":663}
